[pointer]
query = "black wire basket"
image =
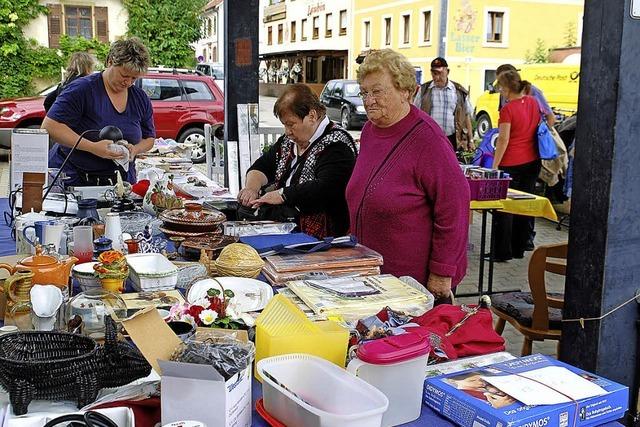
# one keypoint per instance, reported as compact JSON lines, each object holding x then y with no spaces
{"x":64,"y":366}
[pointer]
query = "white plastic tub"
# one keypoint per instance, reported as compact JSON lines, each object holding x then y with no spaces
{"x":152,"y":272}
{"x":332,"y":396}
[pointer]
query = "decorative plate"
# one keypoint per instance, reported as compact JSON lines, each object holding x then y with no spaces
{"x":250,"y":294}
{"x":184,"y":216}
{"x":134,"y":222}
{"x":169,"y":232}
{"x":211,"y":244}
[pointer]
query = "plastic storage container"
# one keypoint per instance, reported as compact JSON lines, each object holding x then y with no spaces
{"x":283,"y":328}
{"x":152,"y":272}
{"x":396,"y":366}
{"x":317,"y":393}
{"x":488,"y":189}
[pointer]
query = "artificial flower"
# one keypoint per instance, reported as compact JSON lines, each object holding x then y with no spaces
{"x":208,"y":317}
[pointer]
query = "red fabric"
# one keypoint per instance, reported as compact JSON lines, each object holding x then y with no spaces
{"x":475,"y":337}
{"x":141,"y":187}
{"x":524,"y":115}
{"x":147,"y":411}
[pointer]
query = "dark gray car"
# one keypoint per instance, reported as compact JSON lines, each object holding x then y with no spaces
{"x":343,"y":103}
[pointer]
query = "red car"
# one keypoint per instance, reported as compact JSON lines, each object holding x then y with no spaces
{"x":182,"y":104}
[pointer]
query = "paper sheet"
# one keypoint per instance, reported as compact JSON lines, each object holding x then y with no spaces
{"x":559,"y":385}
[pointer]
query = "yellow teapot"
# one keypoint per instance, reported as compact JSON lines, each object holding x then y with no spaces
{"x":47,"y":269}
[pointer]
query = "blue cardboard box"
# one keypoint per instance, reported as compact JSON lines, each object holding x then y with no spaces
{"x":469,"y":401}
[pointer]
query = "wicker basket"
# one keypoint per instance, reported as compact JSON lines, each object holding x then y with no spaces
{"x":64,"y":366}
{"x":239,"y":270}
{"x":488,"y":189}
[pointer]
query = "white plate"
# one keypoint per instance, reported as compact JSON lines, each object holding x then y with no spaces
{"x":250,"y":294}
{"x":84,"y":269}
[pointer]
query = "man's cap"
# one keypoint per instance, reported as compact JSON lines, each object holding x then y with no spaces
{"x":439,"y":62}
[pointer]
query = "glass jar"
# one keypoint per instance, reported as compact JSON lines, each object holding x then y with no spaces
{"x":92,"y":306}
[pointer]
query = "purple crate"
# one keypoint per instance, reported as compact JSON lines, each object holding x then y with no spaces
{"x":489,"y":189}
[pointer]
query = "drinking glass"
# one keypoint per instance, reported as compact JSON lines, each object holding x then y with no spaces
{"x":83,"y":243}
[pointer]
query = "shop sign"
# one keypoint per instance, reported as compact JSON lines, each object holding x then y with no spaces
{"x":314,"y":8}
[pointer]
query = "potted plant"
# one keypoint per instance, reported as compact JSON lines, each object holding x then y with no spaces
{"x":112,"y":270}
{"x":213,"y":311}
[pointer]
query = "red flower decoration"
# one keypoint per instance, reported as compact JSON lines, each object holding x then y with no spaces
{"x":195,"y":311}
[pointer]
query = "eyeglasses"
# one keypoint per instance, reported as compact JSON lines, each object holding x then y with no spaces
{"x":376,"y":94}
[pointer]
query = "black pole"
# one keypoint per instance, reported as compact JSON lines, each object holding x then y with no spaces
{"x":240,"y":63}
{"x":603,"y":266}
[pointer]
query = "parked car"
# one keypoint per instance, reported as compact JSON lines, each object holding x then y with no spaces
{"x":182,"y":104}
{"x":212,"y":69}
{"x":343,"y":103}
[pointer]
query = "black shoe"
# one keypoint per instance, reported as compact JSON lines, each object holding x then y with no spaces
{"x":518,"y":256}
{"x":501,"y":259}
{"x":529,"y":246}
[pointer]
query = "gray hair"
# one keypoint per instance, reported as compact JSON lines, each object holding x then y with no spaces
{"x":129,"y":53}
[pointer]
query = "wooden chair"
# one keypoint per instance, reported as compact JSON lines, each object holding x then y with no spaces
{"x":536,"y":314}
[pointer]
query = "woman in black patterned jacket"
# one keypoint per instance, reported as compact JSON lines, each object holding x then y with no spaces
{"x":305,"y":173}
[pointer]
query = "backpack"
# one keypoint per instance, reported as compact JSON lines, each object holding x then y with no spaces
{"x":485,"y":152}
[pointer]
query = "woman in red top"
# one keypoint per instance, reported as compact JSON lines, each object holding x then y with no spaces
{"x":517,"y":154}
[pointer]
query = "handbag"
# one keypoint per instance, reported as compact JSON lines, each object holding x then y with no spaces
{"x":546,"y":143}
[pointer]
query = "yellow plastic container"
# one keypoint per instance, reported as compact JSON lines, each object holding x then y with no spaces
{"x":283,"y":328}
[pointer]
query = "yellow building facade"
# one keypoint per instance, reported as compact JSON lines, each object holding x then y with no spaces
{"x":475,"y":36}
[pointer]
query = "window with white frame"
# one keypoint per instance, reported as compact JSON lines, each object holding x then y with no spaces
{"x":270,"y":36}
{"x":328,"y":24}
{"x":293,"y":31}
{"x":495,"y":26}
{"x":280,"y":33}
{"x":343,"y":22}
{"x":387,"y":31}
{"x":425,"y":27}
{"x":405,"y":34}
{"x":303,"y":30}
{"x":316,"y":27}
{"x":367,"y":34}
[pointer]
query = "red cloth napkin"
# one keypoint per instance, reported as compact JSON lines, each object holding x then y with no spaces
{"x":475,"y":337}
{"x":141,"y":187}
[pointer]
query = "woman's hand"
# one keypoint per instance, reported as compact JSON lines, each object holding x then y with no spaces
{"x":439,"y":286}
{"x":247,"y":196}
{"x":102,"y":149}
{"x":133,"y":151}
{"x":270,"y":198}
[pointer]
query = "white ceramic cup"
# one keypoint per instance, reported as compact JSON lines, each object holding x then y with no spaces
{"x":53,"y":235}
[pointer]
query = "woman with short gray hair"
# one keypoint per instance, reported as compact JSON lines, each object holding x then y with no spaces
{"x":407,"y":196}
{"x":98,"y":100}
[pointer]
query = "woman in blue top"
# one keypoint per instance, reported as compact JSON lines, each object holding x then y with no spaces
{"x":98,"y":100}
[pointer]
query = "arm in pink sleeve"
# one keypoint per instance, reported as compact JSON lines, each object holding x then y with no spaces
{"x":447,"y":190}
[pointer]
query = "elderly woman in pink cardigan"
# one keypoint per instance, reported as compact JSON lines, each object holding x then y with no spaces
{"x":407,"y":196}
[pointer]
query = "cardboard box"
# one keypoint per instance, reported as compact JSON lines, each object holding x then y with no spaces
{"x":190,"y":391}
{"x":470,"y":407}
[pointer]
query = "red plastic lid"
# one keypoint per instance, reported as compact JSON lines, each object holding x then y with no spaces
{"x":394,"y":349}
{"x":267,"y":416}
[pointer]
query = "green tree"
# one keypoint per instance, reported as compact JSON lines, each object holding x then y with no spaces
{"x":539,"y":55}
{"x":570,"y":38}
{"x":167,"y":27}
{"x":15,"y":54}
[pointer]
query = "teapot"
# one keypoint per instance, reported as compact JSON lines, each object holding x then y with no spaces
{"x":47,"y":269}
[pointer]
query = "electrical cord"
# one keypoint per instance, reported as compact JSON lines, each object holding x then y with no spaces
{"x":88,"y":419}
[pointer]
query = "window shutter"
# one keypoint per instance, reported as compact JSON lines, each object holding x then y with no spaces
{"x":102,"y":24}
{"x":55,"y":24}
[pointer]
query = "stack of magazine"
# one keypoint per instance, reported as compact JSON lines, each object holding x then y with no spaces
{"x":358,"y":297}
{"x":335,"y":262}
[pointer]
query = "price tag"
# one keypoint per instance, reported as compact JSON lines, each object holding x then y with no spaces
{"x":635,"y":9}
